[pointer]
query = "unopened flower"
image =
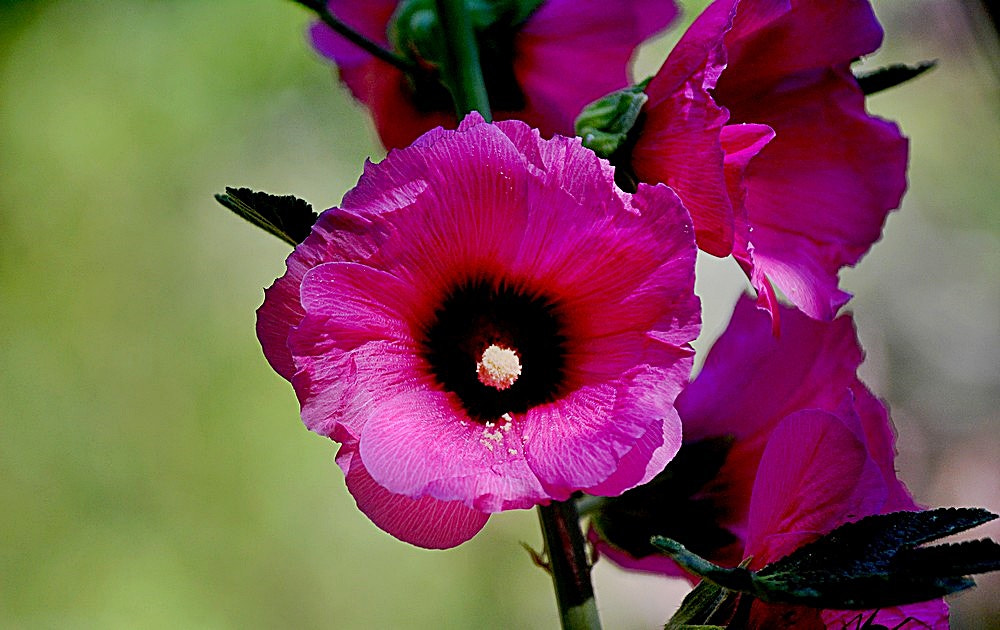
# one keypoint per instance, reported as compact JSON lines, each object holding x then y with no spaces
{"x":757,"y":122}
{"x":487,"y":323}
{"x":782,"y":444}
{"x":541,"y":69}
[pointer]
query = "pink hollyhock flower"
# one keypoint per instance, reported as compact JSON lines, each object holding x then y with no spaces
{"x":811,"y":449}
{"x":757,"y":122}
{"x":487,"y":323}
{"x":542,"y":71}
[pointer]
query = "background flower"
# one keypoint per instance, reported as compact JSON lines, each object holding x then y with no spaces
{"x":467,"y":244}
{"x":566,"y":54}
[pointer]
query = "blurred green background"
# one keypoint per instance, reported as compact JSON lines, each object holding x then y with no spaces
{"x":153,"y":470}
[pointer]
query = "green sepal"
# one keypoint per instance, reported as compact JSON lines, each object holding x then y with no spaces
{"x":872,"y":563}
{"x":415,"y":32}
{"x":698,"y":606}
{"x":708,"y":605}
{"x":287,"y":217}
{"x":890,"y":76}
{"x":735,"y":579}
{"x":605,"y":125}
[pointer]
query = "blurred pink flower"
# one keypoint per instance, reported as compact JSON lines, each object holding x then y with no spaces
{"x":812,"y":448}
{"x":488,"y":323}
{"x":757,"y":122}
{"x":544,"y":71}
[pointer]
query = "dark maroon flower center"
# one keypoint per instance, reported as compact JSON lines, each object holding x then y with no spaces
{"x":476,"y":315}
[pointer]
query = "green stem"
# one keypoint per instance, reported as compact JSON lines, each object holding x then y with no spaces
{"x":469,"y":90}
{"x":356,"y":38}
{"x":567,"y":554}
{"x":588,"y":504}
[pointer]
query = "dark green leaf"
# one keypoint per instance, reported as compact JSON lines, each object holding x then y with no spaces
{"x":891,"y":76}
{"x":873,"y":563}
{"x":956,"y":559}
{"x":287,"y":217}
{"x":699,"y":605}
{"x":873,"y":542}
{"x":708,"y":605}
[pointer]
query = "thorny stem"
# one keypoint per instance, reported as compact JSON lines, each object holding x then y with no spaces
{"x":356,"y":38}
{"x":567,"y":554}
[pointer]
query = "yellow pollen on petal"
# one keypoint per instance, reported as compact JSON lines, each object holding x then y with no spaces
{"x":499,"y":367}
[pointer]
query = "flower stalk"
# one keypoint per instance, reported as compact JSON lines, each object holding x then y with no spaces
{"x":466,"y":82}
{"x":566,"y":550}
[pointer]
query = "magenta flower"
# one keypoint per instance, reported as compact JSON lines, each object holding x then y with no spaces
{"x":487,"y":323}
{"x":757,"y":122}
{"x":811,"y":449}
{"x":542,"y":71}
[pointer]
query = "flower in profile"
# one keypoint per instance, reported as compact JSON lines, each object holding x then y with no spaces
{"x":487,"y":323}
{"x":542,"y":60}
{"x":757,"y":122}
{"x":782,"y":444}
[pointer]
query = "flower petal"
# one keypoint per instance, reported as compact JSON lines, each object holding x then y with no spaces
{"x":651,"y":453}
{"x":368,"y":18}
{"x":571,"y":445}
{"x":880,"y":437}
{"x":679,"y":141}
{"x":425,"y":522}
{"x":380,"y":86}
{"x":774,"y":40}
{"x":814,"y":475}
{"x":422,"y":443}
{"x":817,"y":196}
{"x":741,"y":143}
{"x":750,"y":380}
{"x":336,"y":236}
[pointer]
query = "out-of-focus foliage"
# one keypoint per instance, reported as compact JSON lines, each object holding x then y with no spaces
{"x":153,"y":470}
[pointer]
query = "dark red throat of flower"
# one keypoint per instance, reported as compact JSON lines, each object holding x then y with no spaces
{"x":498,"y":349}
